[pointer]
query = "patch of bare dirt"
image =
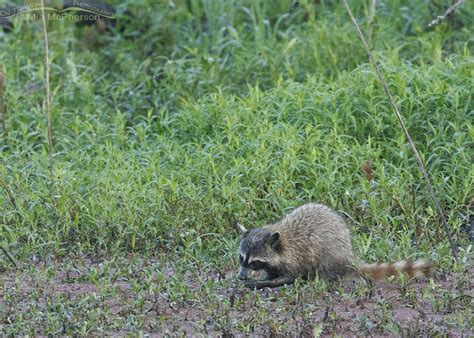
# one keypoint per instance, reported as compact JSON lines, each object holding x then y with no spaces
{"x":384,"y":309}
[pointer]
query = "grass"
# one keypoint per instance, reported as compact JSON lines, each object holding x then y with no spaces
{"x":202,"y":114}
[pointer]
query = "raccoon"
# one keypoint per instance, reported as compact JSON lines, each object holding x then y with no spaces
{"x":311,"y":241}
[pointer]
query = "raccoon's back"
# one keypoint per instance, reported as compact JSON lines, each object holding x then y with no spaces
{"x":318,"y":226}
{"x":316,"y":240}
{"x":314,"y":217}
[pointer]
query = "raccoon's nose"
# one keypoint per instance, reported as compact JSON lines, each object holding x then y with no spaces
{"x":243,"y":273}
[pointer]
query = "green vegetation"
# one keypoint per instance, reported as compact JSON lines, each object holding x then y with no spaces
{"x":200,"y":114}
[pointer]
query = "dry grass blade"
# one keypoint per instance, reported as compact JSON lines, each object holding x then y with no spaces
{"x":3,"y":112}
{"x":405,"y":130}
{"x":371,"y":18}
{"x":48,"y":91}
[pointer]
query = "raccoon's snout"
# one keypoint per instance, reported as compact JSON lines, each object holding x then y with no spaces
{"x":243,"y":273}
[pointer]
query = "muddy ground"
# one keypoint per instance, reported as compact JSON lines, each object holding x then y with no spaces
{"x":69,"y":299}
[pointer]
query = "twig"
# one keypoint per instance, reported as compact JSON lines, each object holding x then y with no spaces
{"x":10,"y":194}
{"x":48,"y":92}
{"x":440,"y":18}
{"x":405,"y":130}
{"x":9,"y":256}
{"x":3,"y":112}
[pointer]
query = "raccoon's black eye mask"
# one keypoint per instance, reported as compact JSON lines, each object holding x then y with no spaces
{"x":257,"y":265}
{"x":254,"y":265}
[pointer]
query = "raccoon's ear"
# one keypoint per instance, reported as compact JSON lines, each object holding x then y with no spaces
{"x":241,"y":228}
{"x":274,"y":240}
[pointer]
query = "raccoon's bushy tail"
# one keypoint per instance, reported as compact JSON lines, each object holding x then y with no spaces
{"x":379,"y":271}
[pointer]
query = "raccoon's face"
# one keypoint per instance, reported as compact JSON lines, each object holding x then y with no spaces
{"x":259,"y":249}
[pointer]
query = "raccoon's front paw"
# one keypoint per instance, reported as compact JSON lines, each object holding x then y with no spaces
{"x":252,"y":284}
